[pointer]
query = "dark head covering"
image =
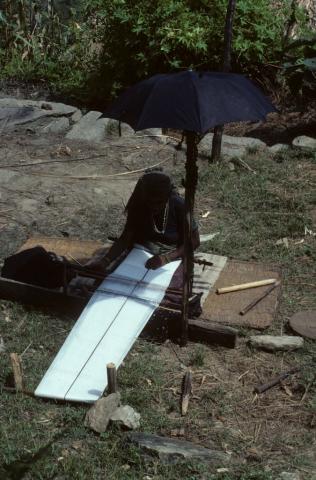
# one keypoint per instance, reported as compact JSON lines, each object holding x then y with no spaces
{"x":152,"y":186}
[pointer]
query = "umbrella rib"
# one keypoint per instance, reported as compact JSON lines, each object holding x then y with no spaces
{"x":197,"y":102}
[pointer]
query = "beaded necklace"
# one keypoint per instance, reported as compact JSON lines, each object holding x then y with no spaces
{"x":164,"y":222}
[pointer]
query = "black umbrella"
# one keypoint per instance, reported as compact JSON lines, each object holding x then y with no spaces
{"x":194,"y":103}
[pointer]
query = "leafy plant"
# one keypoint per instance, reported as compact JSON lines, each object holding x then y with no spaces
{"x":300,"y":68}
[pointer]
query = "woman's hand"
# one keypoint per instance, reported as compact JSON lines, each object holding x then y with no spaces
{"x":99,"y":265}
{"x":157,"y":261}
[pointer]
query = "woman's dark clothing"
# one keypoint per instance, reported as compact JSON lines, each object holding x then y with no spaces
{"x":160,"y":233}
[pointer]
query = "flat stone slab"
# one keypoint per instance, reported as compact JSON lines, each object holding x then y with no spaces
{"x":304,"y":142}
{"x":170,"y":450}
{"x":304,"y":323}
{"x":19,"y":111}
{"x":274,"y":343}
{"x":60,"y":125}
{"x":91,"y":128}
{"x":231,"y":146}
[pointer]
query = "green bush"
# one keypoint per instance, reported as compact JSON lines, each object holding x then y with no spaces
{"x":114,"y":43}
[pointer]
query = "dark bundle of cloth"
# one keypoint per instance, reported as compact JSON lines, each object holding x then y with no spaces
{"x":35,"y":266}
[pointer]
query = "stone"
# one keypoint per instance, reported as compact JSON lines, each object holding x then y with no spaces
{"x":155,"y":134}
{"x":126,"y":416}
{"x":274,"y":343}
{"x":304,"y":142}
{"x":279,"y":147}
{"x":57,"y":126}
{"x":90,"y":128}
{"x":112,"y":128}
{"x":170,"y":450}
{"x":21,"y":111}
{"x":289,"y":476}
{"x":76,"y":116}
{"x":98,"y":417}
{"x":231,"y":146}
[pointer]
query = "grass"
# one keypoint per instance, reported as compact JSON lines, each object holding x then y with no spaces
{"x":267,"y":434}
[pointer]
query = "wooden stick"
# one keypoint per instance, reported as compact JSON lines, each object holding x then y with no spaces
{"x":276,"y":380}
{"x":85,"y":272}
{"x":244,"y":286}
{"x":211,"y":333}
{"x":257,"y":300}
{"x":186,"y":392}
{"x":112,"y":379}
{"x":17,"y":371}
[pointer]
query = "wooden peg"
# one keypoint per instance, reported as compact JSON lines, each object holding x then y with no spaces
{"x":112,"y":379}
{"x":17,"y":371}
{"x":186,"y":392}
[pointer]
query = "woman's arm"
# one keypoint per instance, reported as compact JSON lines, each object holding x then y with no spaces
{"x":158,"y":261}
{"x":124,"y":242}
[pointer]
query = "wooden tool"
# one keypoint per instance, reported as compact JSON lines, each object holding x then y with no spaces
{"x":186,"y":392}
{"x":257,"y":300}
{"x":244,"y":286}
{"x":276,"y":380}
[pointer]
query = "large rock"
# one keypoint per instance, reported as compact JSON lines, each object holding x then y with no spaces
{"x":17,"y":111}
{"x":304,"y":142}
{"x":279,"y":147}
{"x":231,"y":146}
{"x":90,"y":128}
{"x":60,"y":125}
{"x":112,"y":128}
{"x":274,"y":343}
{"x":126,"y":416}
{"x":170,"y":450}
{"x":98,"y":417}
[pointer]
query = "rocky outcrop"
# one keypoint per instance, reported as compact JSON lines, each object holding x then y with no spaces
{"x":231,"y":146}
{"x":170,"y":450}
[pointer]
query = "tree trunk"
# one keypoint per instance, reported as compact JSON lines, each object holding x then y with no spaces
{"x":218,"y":131}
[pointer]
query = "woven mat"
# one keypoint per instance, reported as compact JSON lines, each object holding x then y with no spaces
{"x":72,"y":249}
{"x":225,"y":308}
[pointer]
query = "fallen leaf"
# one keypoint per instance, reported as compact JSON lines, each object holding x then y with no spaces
{"x":206,"y":214}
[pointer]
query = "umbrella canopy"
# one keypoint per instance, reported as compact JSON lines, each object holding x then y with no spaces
{"x":190,"y":101}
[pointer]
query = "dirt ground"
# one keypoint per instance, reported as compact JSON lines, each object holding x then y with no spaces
{"x":41,"y":191}
{"x":49,"y":186}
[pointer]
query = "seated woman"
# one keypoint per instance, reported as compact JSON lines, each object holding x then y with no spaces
{"x":155,"y":219}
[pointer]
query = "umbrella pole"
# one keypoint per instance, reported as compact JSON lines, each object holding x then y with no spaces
{"x":190,"y":187}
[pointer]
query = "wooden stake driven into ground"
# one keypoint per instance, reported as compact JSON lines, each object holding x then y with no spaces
{"x":112,"y":378}
{"x":186,"y":392}
{"x":17,"y":371}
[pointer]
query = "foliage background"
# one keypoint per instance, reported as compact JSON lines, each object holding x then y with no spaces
{"x":96,"y":47}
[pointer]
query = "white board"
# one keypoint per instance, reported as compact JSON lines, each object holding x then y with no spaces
{"x":110,"y":324}
{"x":106,"y":330}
